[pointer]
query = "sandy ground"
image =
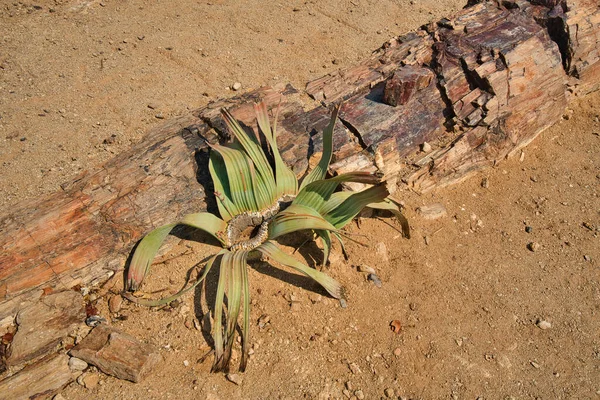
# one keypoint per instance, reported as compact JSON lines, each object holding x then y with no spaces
{"x":81,"y":81}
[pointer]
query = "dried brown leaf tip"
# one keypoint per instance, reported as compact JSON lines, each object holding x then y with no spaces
{"x":396,"y":326}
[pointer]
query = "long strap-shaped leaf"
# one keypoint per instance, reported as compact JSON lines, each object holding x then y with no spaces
{"x":351,"y":206}
{"x":246,"y":324}
{"x":286,"y":181}
{"x":320,"y":170}
{"x":253,"y":149}
{"x":218,"y":173}
{"x":296,"y":218}
{"x":316,"y":194}
{"x":270,"y":249}
{"x":235,"y":263}
{"x":218,"y":315}
{"x":150,"y":244}
{"x":240,"y":171}
{"x":326,"y":240}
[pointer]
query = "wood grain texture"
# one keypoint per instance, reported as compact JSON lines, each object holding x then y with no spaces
{"x":501,"y":73}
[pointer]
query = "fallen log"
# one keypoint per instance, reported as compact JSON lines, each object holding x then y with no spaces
{"x":476,"y":88}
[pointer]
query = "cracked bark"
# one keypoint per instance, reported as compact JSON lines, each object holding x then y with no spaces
{"x":501,"y":74}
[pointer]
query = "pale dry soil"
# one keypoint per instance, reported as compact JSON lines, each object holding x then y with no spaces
{"x":469,"y":298}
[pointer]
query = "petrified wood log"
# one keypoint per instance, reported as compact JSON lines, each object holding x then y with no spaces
{"x":477,"y":87}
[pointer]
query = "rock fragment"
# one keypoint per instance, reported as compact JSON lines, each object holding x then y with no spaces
{"x":432,"y":211}
{"x":117,"y":353}
{"x":39,"y":380}
{"x":77,"y":364}
{"x":42,"y":325}
{"x":543,"y":325}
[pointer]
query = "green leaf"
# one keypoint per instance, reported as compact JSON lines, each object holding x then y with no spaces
{"x":394,"y":207}
{"x":316,"y":194}
{"x":270,"y":249}
{"x":235,"y":264}
{"x":326,"y":240}
{"x":246,"y":324}
{"x":254,"y":151}
{"x":296,"y":218}
{"x":241,"y":177}
{"x":218,"y":315}
{"x":150,"y":244}
{"x":218,"y":173}
{"x":351,"y":206}
{"x":320,"y":170}
{"x":286,"y":181}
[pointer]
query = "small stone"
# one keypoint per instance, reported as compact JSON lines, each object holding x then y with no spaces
{"x":90,"y":381}
{"x":234,"y":378}
{"x":382,"y":251}
{"x":389,"y":392}
{"x":186,"y":363}
{"x":359,"y":394}
{"x":528,"y":229}
{"x":77,"y":364}
{"x":542,"y":324}
{"x":366,"y":268}
{"x":427,"y":240}
{"x":397,"y":351}
{"x":534,"y":246}
{"x":343,"y":303}
{"x":95,"y":320}
{"x":534,"y":364}
{"x":587,"y":258}
{"x":354,"y":368}
{"x":159,"y":116}
{"x":413,"y":306}
{"x":346,"y":393}
{"x":425,"y":147}
{"x":533,"y":178}
{"x":236,"y":86}
{"x":432,"y":211}
{"x":375,"y":279}
{"x":349,"y":385}
{"x":485,"y":183}
{"x":396,"y":326}
{"x":114,"y":303}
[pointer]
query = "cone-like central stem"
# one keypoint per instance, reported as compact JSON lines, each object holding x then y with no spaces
{"x":250,"y":229}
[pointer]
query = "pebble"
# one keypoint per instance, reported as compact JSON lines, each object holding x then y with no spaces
{"x":354,"y":368}
{"x":528,"y":229}
{"x":95,"y":320}
{"x":359,"y":394}
{"x":587,"y":258}
{"x":397,"y":351}
{"x":534,"y":246}
{"x":389,"y":392}
{"x":234,"y":378}
{"x":425,"y":147}
{"x":236,"y":86}
{"x":159,"y":116}
{"x":485,"y":183}
{"x":542,"y":324}
{"x":375,"y":279}
{"x":343,"y":303}
{"x":186,"y":363}
{"x":366,"y":268}
{"x":534,"y":364}
{"x":114,"y":303}
{"x":432,"y":211}
{"x":396,"y":326}
{"x":382,"y":250}
{"x":77,"y":364}
{"x":90,"y":381}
